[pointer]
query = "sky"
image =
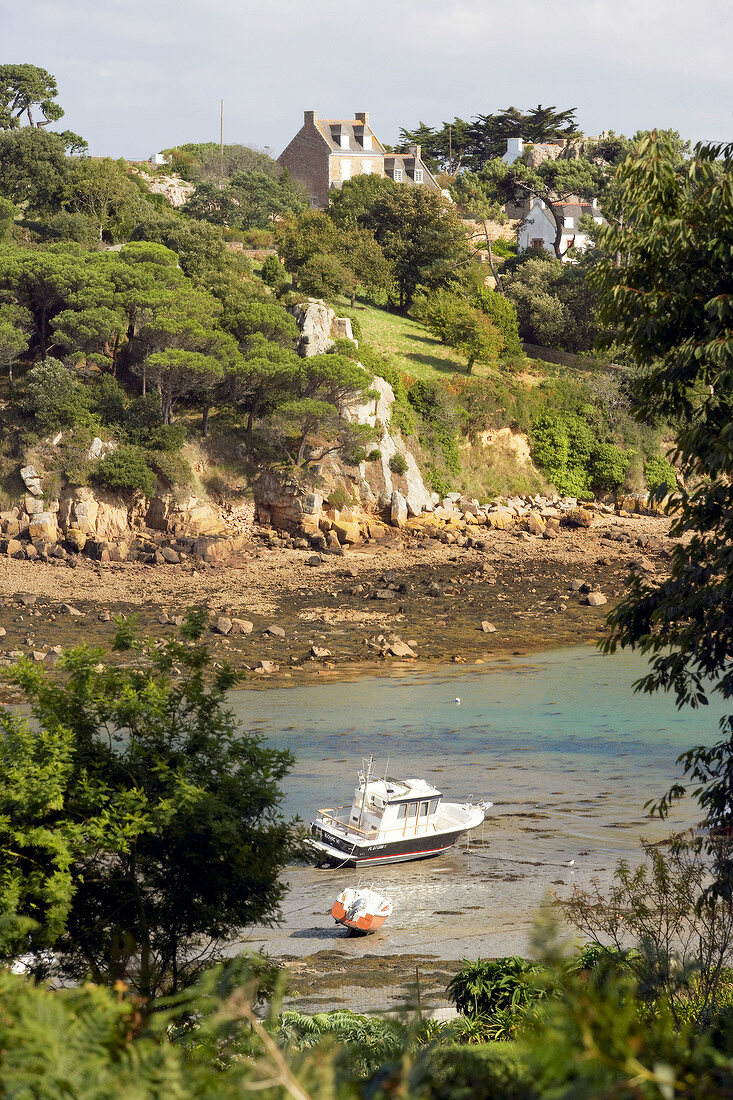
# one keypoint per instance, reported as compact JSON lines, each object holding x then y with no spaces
{"x":137,"y":76}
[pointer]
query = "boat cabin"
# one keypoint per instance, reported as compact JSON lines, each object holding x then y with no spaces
{"x":404,"y":808}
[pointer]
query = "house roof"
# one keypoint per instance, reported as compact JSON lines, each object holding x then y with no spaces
{"x":353,"y":128}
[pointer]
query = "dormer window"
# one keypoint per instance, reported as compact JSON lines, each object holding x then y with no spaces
{"x":397,"y":175}
{"x":569,"y":222}
{"x":418,"y":175}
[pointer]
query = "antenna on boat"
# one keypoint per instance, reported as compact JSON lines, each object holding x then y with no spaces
{"x":386,"y":769}
{"x":367,"y":763}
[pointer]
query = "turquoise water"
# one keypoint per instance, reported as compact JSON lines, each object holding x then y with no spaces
{"x":558,"y":741}
{"x":571,"y":710}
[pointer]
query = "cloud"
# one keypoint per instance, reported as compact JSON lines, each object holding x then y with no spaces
{"x":136,"y":76}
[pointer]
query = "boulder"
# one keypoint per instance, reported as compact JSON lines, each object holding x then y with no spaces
{"x":223,"y":625}
{"x":535,"y":524}
{"x":314,"y":559}
{"x":242,"y":626}
{"x":487,"y":627}
{"x":400,"y":649}
{"x":43,"y":527}
{"x":347,"y":532}
{"x":33,"y":505}
{"x":171,"y":555}
{"x":69,"y":609}
{"x":274,"y":631}
{"x":398,"y":510}
{"x":319,"y":653}
{"x":76,"y":538}
{"x":266,"y":666}
{"x":578,"y":517}
{"x":501,"y":520}
{"x":596,"y":599}
{"x":32,"y":480}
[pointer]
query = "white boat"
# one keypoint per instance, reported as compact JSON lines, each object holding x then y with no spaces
{"x":391,"y":821}
{"x":361,"y":909}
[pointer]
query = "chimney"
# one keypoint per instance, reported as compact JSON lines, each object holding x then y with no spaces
{"x":310,"y":118}
{"x":416,"y":150}
{"x":362,"y":116}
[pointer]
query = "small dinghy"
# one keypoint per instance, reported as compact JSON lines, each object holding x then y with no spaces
{"x":361,"y":909}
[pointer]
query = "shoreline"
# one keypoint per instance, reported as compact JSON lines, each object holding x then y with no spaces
{"x":371,"y":611}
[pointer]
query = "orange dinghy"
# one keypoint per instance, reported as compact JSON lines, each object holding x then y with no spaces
{"x":362,"y":909}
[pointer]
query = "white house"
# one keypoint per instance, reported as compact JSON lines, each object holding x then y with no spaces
{"x":537,"y":230}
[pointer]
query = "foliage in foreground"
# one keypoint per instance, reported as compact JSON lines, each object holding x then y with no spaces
{"x":140,"y":825}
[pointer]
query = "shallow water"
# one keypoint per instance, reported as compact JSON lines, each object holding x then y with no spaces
{"x":558,"y":741}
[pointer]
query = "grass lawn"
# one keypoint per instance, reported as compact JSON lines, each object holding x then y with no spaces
{"x":414,"y":351}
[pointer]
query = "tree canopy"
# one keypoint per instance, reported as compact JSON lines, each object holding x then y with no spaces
{"x":671,"y":300}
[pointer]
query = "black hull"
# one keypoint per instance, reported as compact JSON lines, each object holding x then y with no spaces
{"x":339,"y":852}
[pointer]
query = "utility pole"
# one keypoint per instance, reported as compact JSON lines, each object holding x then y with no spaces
{"x":221,"y":145}
{"x":450,"y":150}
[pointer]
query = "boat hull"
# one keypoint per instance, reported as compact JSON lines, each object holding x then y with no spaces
{"x":336,"y":851}
{"x":367,"y":922}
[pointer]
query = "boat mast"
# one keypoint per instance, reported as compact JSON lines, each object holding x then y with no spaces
{"x":366,"y":768}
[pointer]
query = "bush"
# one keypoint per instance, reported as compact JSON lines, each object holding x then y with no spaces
{"x":273,"y":273}
{"x":374,"y":456}
{"x":503,"y":315}
{"x":660,"y":475}
{"x":398,"y":464}
{"x":340,"y":498}
{"x":172,"y":467}
{"x":608,"y":466}
{"x":562,"y":444}
{"x":125,"y":468}
{"x":54,"y":396}
{"x":485,"y":987}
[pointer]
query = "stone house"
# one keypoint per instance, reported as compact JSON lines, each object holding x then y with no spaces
{"x":537,"y":230}
{"x":328,"y":151}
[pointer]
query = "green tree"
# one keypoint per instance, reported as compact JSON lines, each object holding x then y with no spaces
{"x":15,"y":324}
{"x":23,"y":88}
{"x":259,"y":381}
{"x":178,"y":373}
{"x":182,"y":840}
{"x":103,"y":191}
{"x":503,"y":316}
{"x":421,"y":236}
{"x":54,"y":396}
{"x":33,"y":169}
{"x":671,"y":304}
{"x":470,"y":331}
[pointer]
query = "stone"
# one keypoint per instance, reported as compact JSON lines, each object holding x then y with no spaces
{"x":535,"y":524}
{"x":319,"y":653}
{"x":104,"y":617}
{"x":501,"y":520}
{"x":275,"y":631}
{"x":596,"y":599}
{"x":266,"y":666}
{"x":27,"y":600}
{"x":38,"y":656}
{"x":15,"y":549}
{"x":31,"y":553}
{"x":97,"y":448}
{"x":158,"y":558}
{"x":332,"y":541}
{"x":69,"y":609}
{"x":32,"y":480}
{"x":171,"y":556}
{"x":400,"y":649}
{"x":576,"y":584}
{"x":76,"y":539}
{"x":579,"y":517}
{"x":118,"y":551}
{"x":487,"y":627}
{"x":314,"y":559}
{"x":398,"y":510}
{"x":3,"y":632}
{"x":43,"y":527}
{"x":348,"y":533}
{"x":434,"y":589}
{"x":223,"y":625}
{"x":384,"y":594}
{"x":33,"y":505}
{"x":242,"y":626}
{"x":11,"y":527}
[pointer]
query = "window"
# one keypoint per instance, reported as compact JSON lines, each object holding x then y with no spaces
{"x":397,"y":175}
{"x":569,"y":222}
{"x":412,"y":811}
{"x":538,"y":244}
{"x":418,"y":175}
{"x":434,"y":806}
{"x":366,"y":167}
{"x":424,"y":811}
{"x":401,"y":812}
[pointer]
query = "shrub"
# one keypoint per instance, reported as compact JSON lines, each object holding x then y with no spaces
{"x":340,"y":498}
{"x":172,"y":467}
{"x":398,"y":464}
{"x":562,"y":444}
{"x":125,"y":468}
{"x":54,"y":396}
{"x":273,"y":272}
{"x":608,"y":466}
{"x":485,"y":987}
{"x":503,"y":315}
{"x":660,"y":475}
{"x":108,"y":401}
{"x":374,"y":455}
